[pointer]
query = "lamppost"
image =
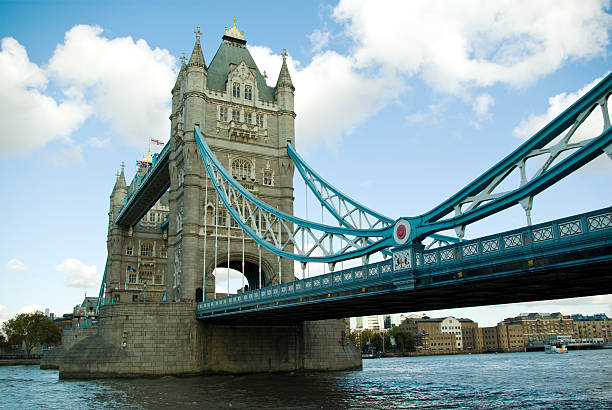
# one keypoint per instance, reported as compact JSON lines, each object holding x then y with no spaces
{"x":144,"y":299}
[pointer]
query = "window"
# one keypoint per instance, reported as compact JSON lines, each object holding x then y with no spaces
{"x":129,"y":251}
{"x":221,"y":220}
{"x":146,"y":249}
{"x":158,"y":279}
{"x":248,"y":92}
{"x":260,"y":120}
{"x":164,"y":251}
{"x":223,"y":114}
{"x":132,"y":277}
{"x":236,"y":90}
{"x":267,"y":178}
{"x":241,"y":168}
{"x":248,"y":118}
{"x":145,"y":274}
{"x":235,"y":115}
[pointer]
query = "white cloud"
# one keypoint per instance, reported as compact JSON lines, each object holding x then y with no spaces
{"x":482,"y":103}
{"x":99,"y":142}
{"x":319,"y":40}
{"x":79,"y":275}
{"x":16,"y":265}
{"x":556,"y":105}
{"x":332,"y":96}
{"x":4,"y":314}
{"x":28,"y":118}
{"x":29,"y":309}
{"x":455,"y":46}
{"x":121,"y":80}
{"x":127,"y":81}
{"x":68,"y":156}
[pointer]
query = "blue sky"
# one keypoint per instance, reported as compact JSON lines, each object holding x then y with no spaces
{"x":398,"y":104}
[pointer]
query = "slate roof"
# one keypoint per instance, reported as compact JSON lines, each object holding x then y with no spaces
{"x":233,"y":52}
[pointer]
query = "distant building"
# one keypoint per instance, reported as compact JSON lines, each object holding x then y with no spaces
{"x":437,"y":334}
{"x":469,"y":335}
{"x":592,"y":327}
{"x":85,"y":313}
{"x":542,"y":326}
{"x":373,"y":322}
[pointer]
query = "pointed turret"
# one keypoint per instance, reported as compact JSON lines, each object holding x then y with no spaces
{"x":284,"y":97}
{"x":194,"y":86}
{"x":284,"y":79}
{"x":120,"y":189}
{"x":197,"y":58}
{"x":181,"y":74}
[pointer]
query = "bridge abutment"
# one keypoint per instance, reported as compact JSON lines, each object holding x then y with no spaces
{"x":158,"y":339}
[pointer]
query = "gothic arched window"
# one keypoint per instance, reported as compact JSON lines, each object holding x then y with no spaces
{"x":241,"y":168}
{"x":146,"y":249}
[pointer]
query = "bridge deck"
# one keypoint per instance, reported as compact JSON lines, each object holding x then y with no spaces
{"x":565,"y":258}
{"x":153,"y":185}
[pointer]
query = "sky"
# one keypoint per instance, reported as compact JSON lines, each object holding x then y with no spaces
{"x":399,"y":104}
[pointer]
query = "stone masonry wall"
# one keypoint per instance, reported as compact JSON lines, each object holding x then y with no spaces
{"x":155,"y":339}
{"x":138,"y":339}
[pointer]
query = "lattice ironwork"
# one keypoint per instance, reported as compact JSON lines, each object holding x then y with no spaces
{"x":600,"y":222}
{"x":490,"y":245}
{"x":570,"y":228}
{"x":543,"y":234}
{"x":470,"y":249}
{"x":284,"y":234}
{"x":557,"y":146}
{"x":512,"y":241}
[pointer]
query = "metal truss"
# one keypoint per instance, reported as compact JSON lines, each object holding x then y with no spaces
{"x":345,"y":210}
{"x":286,"y":235}
{"x":553,"y":144}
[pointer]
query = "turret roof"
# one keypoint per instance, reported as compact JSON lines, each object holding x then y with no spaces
{"x":284,"y":79}
{"x":120,"y":182}
{"x":197,"y":58}
{"x":234,"y":52}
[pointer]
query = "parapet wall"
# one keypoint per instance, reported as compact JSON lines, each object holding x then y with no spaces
{"x":157,"y":338}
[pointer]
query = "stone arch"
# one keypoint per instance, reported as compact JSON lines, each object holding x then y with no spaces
{"x":251,"y":267}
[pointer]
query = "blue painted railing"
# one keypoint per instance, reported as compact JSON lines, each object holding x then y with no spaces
{"x":141,"y":184}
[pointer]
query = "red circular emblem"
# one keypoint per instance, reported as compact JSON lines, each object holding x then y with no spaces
{"x":401,"y":232}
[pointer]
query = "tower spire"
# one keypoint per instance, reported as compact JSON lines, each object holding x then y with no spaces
{"x":197,"y":58}
{"x":284,"y":79}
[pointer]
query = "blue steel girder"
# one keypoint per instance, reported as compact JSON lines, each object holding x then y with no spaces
{"x":343,"y":208}
{"x":478,"y":196}
{"x":281,"y":237}
{"x":523,"y":255}
{"x":284,"y":234}
{"x":148,"y":190}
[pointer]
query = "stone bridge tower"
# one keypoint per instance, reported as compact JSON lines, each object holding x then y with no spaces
{"x":247,"y":124}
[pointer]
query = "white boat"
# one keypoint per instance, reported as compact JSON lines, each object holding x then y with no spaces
{"x":555,"y":349}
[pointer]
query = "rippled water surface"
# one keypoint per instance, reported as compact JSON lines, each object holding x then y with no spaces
{"x":580,"y":380}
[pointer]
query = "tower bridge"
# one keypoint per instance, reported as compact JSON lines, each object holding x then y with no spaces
{"x":220,"y":195}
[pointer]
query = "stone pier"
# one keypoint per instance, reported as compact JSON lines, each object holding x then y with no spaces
{"x":155,"y":339}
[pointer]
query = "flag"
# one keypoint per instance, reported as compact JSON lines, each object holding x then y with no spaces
{"x":158,"y":142}
{"x":142,"y":163}
{"x":130,"y":269}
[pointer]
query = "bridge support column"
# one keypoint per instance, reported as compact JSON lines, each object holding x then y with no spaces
{"x":157,"y":339}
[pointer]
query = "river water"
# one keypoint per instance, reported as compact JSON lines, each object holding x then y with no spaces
{"x":577,"y":380}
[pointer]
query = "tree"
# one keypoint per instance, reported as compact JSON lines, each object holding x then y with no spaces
{"x":366,"y":336}
{"x":404,"y":340}
{"x":31,"y":329}
{"x":3,"y":343}
{"x":353,"y":336}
